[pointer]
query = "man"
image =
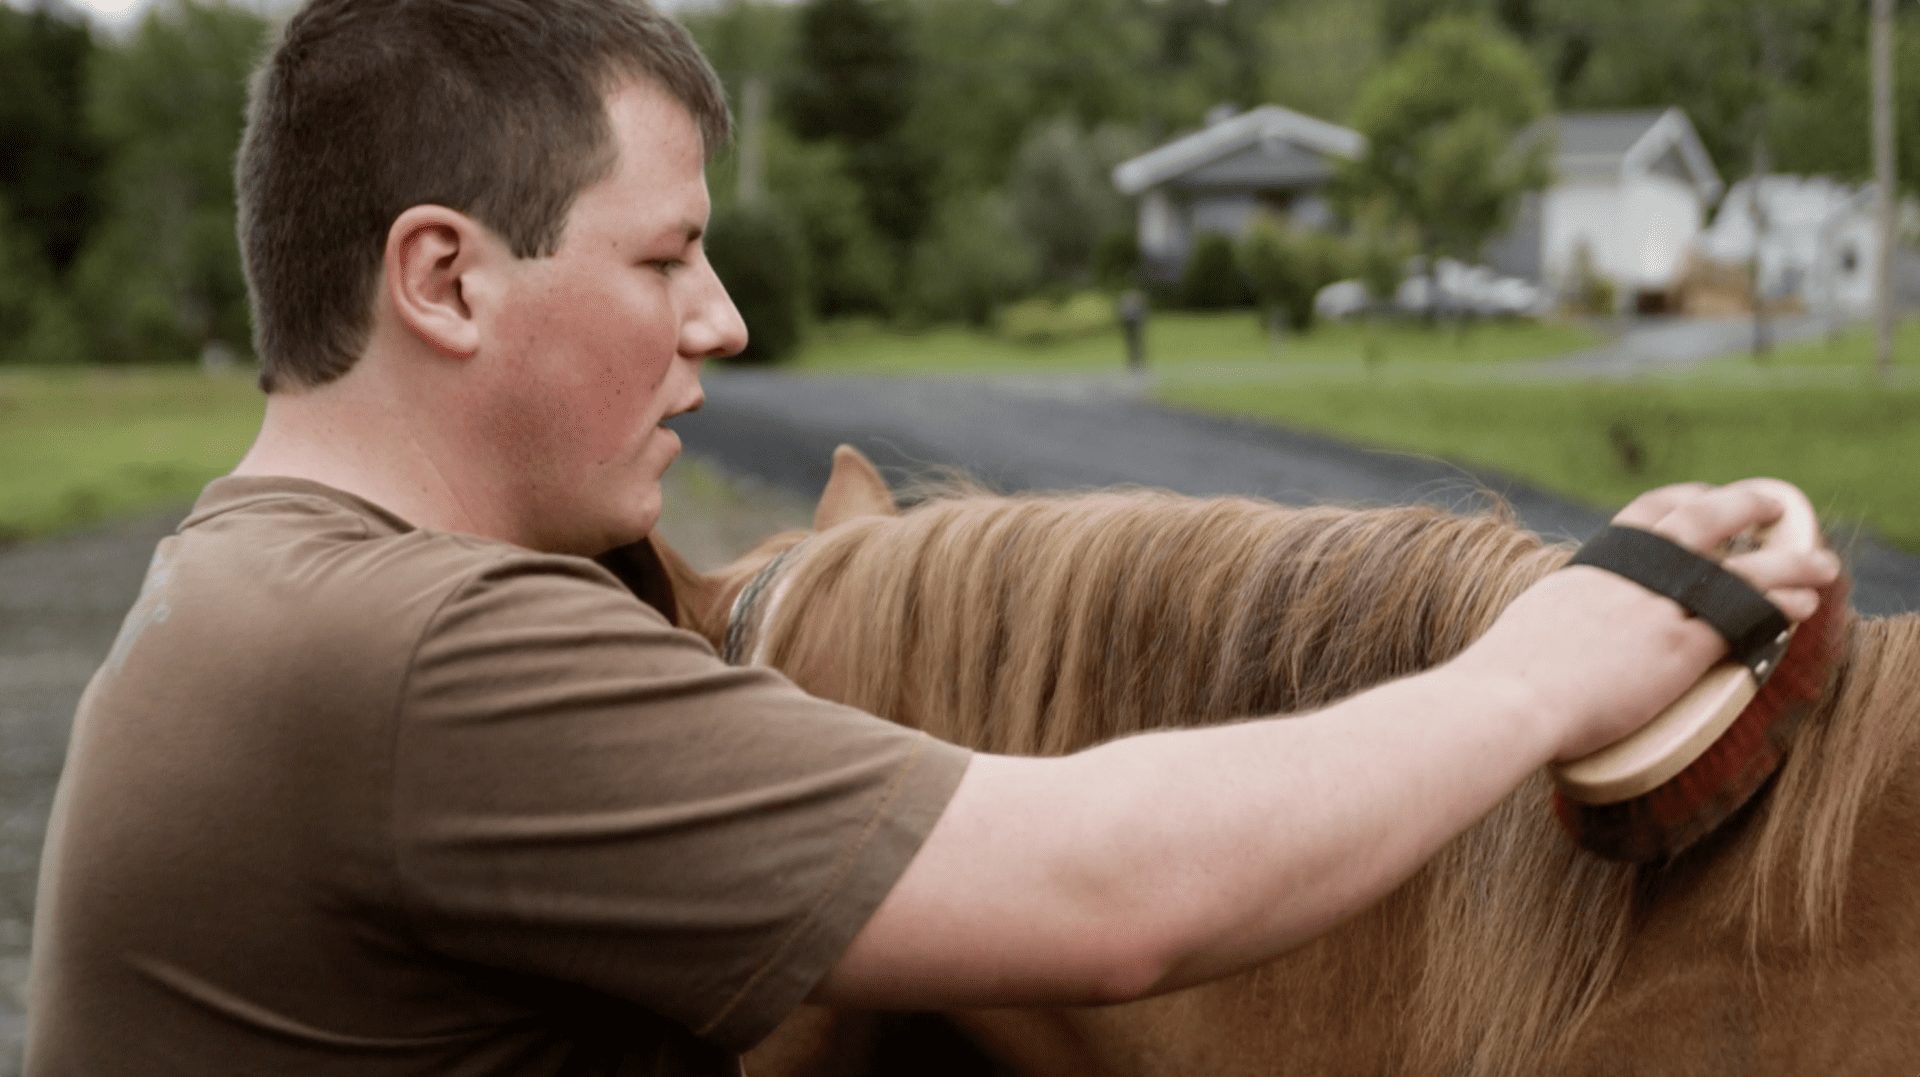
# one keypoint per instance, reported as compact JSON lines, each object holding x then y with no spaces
{"x":385,"y":776}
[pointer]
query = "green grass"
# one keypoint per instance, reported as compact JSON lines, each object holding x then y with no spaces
{"x":81,"y":446}
{"x":1850,"y":349}
{"x":1852,"y":446}
{"x":1179,"y":340}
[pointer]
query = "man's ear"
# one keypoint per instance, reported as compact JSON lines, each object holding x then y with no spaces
{"x":430,"y":257}
{"x":854,"y":489}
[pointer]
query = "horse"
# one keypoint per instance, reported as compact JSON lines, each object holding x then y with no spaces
{"x":1788,"y":941}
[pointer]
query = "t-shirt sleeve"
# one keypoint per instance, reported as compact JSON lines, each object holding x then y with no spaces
{"x":586,"y":794}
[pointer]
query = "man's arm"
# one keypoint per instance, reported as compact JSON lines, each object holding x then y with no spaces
{"x":1168,"y":859}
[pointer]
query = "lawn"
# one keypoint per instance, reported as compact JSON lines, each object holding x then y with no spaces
{"x":81,"y":446}
{"x":1852,"y":446}
{"x":1850,"y":349}
{"x":1181,"y":340}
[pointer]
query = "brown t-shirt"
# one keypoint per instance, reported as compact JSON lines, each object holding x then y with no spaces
{"x":353,"y":797}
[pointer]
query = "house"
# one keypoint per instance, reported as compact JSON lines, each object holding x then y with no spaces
{"x":1631,"y":191}
{"x":1630,"y":196}
{"x":1218,"y":179}
{"x":1817,"y":240}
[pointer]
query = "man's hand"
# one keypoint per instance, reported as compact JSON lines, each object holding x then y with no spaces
{"x":1603,"y":654}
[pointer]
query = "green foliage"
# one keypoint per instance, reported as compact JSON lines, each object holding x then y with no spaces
{"x":747,"y":40}
{"x":1380,"y":252}
{"x":1590,"y":291}
{"x":1402,"y":20}
{"x":49,"y":164}
{"x":1063,"y":197}
{"x":1116,"y":261}
{"x":1213,"y":279}
{"x":1442,"y":122}
{"x":1047,"y":321}
{"x":160,"y":278}
{"x":760,"y":255}
{"x":1286,"y":267}
{"x":851,"y":268}
{"x":972,"y":261}
{"x":854,"y":84}
{"x":1318,"y":56}
{"x":37,"y":324}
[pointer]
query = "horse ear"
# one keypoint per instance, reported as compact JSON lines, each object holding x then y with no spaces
{"x":854,"y":489}
{"x":698,"y":595}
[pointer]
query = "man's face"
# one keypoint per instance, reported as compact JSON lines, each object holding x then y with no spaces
{"x":591,"y":348}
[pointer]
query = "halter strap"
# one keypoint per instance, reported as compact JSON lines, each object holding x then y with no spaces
{"x":746,"y":605}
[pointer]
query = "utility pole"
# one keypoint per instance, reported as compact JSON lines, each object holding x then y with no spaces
{"x":751,"y":182}
{"x":1762,"y":164}
{"x":1883,"y":178}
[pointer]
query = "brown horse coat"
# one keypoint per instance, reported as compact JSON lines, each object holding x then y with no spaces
{"x":1787,"y":943}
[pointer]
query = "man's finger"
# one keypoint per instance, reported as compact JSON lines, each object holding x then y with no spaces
{"x":1791,"y":579}
{"x":1649,"y":508}
{"x":1705,"y":521}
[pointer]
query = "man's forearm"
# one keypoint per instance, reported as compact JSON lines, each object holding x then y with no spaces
{"x":1232,"y":844}
{"x":1169,"y":858}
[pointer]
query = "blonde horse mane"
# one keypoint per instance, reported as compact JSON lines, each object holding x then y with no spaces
{"x":1041,"y":625}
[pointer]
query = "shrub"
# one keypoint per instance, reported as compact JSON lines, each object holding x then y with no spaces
{"x":973,"y":261}
{"x":1116,"y":262}
{"x":1045,"y":321}
{"x":1286,"y":267}
{"x":1212,"y":280}
{"x":762,"y":259}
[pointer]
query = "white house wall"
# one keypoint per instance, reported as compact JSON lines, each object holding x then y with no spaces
{"x":1163,"y":235}
{"x":1848,"y":262}
{"x":1637,"y":231}
{"x":1573,"y":214}
{"x":1664,"y":216}
{"x":1226,"y":213}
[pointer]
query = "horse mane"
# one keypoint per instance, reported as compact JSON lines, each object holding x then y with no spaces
{"x":1046,"y":624}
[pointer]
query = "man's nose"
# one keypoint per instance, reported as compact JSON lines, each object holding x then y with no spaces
{"x":716,"y":329}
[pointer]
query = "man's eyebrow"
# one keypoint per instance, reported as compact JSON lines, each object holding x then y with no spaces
{"x":693,"y":230}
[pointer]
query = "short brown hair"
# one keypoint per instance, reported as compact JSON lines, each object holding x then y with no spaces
{"x":495,"y":108}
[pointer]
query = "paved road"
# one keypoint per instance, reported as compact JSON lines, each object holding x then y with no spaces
{"x":60,"y":605}
{"x":1026,"y":434}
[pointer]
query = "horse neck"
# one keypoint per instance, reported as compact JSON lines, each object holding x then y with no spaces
{"x":1864,"y":734}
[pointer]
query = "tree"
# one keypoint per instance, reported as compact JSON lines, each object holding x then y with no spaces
{"x":1063,"y":197}
{"x":851,"y":269}
{"x":49,"y":164}
{"x":759,"y":254}
{"x":1318,"y":56}
{"x":855,"y":85}
{"x":1444,"y":123}
{"x":1286,"y":267}
{"x":160,"y":278}
{"x":1212,"y":279}
{"x":973,"y":260}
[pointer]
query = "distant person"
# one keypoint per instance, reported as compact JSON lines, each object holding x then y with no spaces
{"x":385,"y":775}
{"x":1133,"y":324}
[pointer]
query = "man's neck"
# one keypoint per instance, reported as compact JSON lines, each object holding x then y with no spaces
{"x":349,"y":435}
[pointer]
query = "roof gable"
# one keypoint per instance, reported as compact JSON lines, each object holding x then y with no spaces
{"x":1618,"y":144}
{"x":1268,"y":137}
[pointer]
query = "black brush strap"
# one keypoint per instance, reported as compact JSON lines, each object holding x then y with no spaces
{"x":1753,"y":627}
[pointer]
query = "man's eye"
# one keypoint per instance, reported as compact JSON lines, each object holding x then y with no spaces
{"x":667,"y":265}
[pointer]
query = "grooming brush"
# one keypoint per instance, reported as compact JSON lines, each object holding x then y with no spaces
{"x":1660,"y":789}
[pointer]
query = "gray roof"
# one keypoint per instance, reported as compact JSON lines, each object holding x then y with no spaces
{"x":1280,"y":130}
{"x":1603,"y":134}
{"x":1611,"y":144}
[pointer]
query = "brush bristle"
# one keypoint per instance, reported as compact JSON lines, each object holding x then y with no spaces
{"x":1662,"y":822}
